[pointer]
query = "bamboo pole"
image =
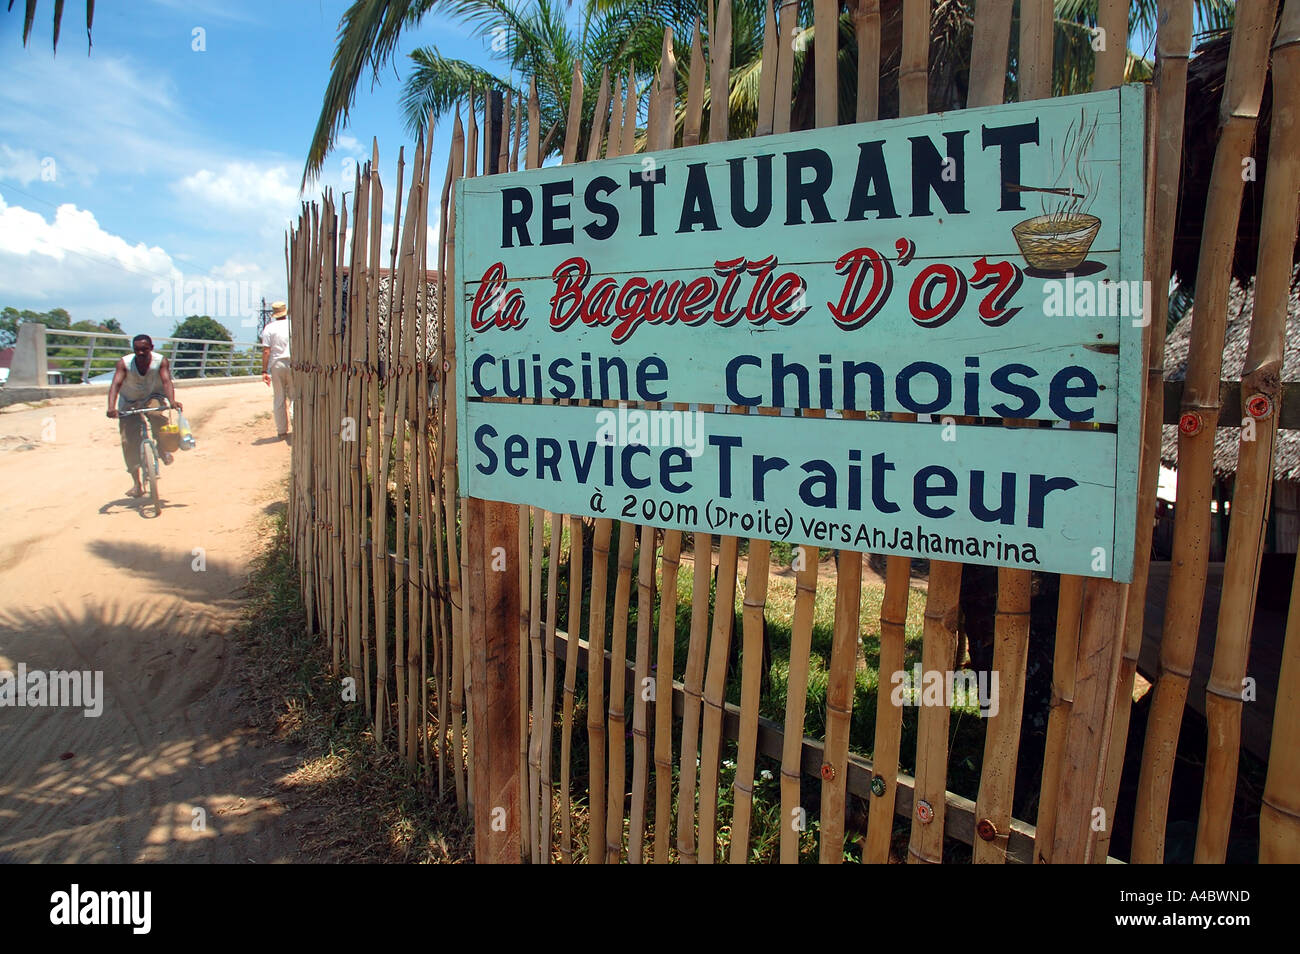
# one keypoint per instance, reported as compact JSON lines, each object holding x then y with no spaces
{"x":783,"y":96}
{"x":796,"y":701}
{"x":664,"y":696}
{"x":548,"y":704}
{"x":617,"y":693}
{"x":596,"y":692}
{"x":572,"y":127}
{"x":914,"y":66}
{"x":600,"y":117}
{"x":889,"y":719}
{"x":866,"y":31}
{"x":1173,"y":43}
{"x":379,"y":521}
{"x":642,"y":690}
{"x":455,"y":545}
{"x":1002,"y":742}
{"x":628,"y":145}
{"x":1069,"y":608}
{"x":1279,"y":813}
{"x":570,"y":682}
{"x":988,"y":56}
{"x":395,"y":437}
{"x":719,"y":73}
{"x":714,"y":687}
{"x":1112,"y":18}
{"x":839,"y":704}
{"x":1243,"y":88}
{"x":756,"y":578}
{"x":937,"y":649}
{"x":529,"y":782}
{"x":1034,"y":66}
{"x":826,"y":47}
{"x":693,"y":680}
{"x":539,"y":794}
{"x":693,"y":116}
{"x":1261,"y":390}
{"x":444,"y":539}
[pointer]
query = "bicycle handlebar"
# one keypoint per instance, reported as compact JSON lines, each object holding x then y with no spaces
{"x":166,"y":406}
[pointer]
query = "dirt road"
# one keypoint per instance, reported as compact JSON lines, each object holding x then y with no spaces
{"x":170,"y":771}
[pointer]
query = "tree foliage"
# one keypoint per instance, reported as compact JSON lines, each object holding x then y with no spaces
{"x":187,"y":357}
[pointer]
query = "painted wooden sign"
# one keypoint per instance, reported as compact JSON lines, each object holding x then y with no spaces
{"x":979,"y":268}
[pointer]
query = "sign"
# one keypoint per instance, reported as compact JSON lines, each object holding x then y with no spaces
{"x":956,"y":299}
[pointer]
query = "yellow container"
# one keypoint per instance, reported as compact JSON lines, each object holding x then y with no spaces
{"x":169,"y":438}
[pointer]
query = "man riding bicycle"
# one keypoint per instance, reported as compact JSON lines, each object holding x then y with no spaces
{"x":141,"y":379}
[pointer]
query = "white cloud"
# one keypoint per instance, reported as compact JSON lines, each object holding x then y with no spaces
{"x":21,"y":165}
{"x":241,"y":196}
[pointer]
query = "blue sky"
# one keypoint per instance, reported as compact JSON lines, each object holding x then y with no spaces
{"x":150,"y":162}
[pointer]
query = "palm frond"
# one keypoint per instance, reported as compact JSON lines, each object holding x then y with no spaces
{"x":368,"y":34}
{"x":437,"y":83}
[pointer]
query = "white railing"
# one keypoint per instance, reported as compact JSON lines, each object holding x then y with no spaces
{"x":74,"y":357}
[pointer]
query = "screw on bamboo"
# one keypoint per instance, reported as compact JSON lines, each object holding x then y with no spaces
{"x":1002,"y":740}
{"x":866,"y":31}
{"x":455,"y":542}
{"x":1173,"y":44}
{"x":724,"y":615}
{"x":693,"y":681}
{"x":617,"y":764}
{"x":719,"y":72}
{"x":1262,"y":374}
{"x":570,"y":683}
{"x":1238,"y":114}
{"x":663,"y":696}
{"x":1011,"y":623}
{"x":889,"y":719}
{"x":641,"y":690}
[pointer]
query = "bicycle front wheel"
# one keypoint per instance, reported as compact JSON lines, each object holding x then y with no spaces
{"x":149,"y":464}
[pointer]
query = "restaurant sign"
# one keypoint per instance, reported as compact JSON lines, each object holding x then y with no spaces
{"x":916,"y":336}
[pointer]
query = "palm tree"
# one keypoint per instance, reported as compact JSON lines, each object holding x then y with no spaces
{"x":536,"y":44}
{"x":535,"y":41}
{"x":29,"y":19}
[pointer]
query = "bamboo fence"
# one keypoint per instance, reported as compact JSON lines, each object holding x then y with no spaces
{"x":390,"y":556}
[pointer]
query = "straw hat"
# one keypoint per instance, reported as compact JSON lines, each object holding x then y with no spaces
{"x":279,"y":309}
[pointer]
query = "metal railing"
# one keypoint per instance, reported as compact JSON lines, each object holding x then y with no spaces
{"x":75,"y":357}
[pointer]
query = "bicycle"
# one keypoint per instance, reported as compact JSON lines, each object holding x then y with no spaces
{"x":149,"y":456}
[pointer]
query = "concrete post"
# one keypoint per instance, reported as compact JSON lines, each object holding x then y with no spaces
{"x":30,"y":366}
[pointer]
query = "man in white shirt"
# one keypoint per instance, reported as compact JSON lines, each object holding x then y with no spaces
{"x":275,"y":365}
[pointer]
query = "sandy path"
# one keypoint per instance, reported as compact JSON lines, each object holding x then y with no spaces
{"x":89,"y":583}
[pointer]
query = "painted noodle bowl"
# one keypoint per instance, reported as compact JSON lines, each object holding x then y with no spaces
{"x":1056,"y":242}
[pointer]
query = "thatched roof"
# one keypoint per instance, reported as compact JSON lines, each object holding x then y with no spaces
{"x":1241,"y":305}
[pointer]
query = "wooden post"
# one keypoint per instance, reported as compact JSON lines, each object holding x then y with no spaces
{"x":493,"y":618}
